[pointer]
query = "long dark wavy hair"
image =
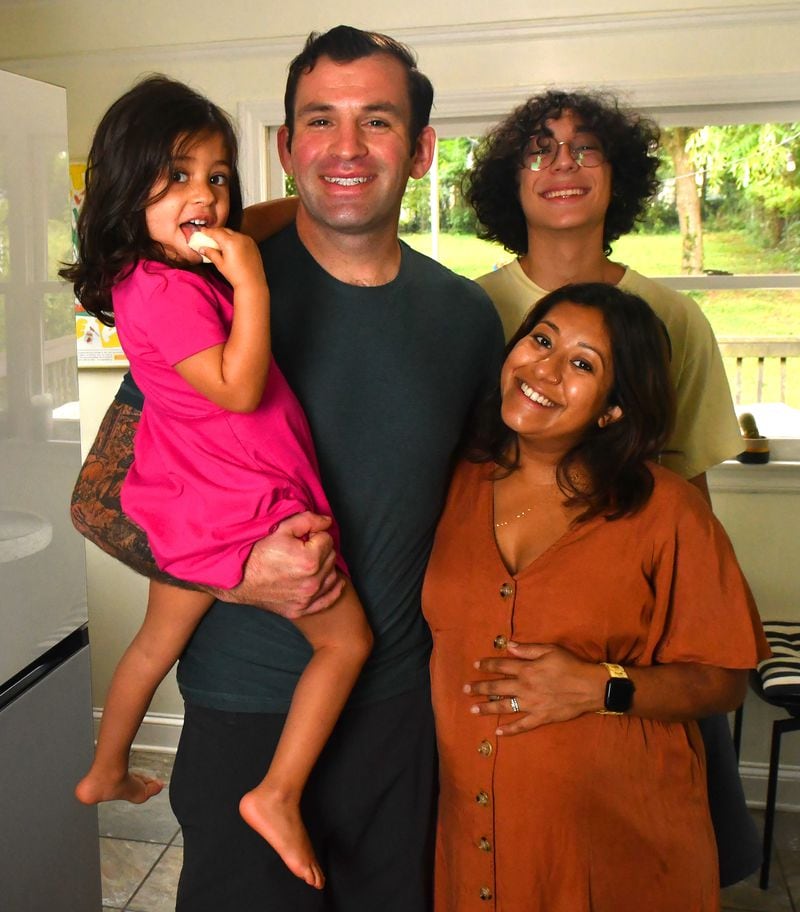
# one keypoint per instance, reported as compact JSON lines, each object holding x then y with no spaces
{"x":629,"y":142}
{"x":606,"y":471}
{"x":134,"y":146}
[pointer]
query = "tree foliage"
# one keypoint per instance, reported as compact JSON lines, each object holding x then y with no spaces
{"x":747,"y":171}
{"x":677,"y":143}
{"x":454,"y":160}
{"x":761,"y":158}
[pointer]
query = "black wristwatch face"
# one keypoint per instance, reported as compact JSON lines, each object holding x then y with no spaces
{"x":619,"y":695}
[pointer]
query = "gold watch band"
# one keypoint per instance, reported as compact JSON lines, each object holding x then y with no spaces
{"x":614,"y":671}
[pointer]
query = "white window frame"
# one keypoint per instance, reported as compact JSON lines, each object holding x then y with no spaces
{"x":675,"y":102}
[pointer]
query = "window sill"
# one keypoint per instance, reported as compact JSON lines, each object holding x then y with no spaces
{"x":779,"y":476}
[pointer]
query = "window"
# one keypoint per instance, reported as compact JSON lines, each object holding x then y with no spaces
{"x":748,"y":283}
{"x":37,"y":323}
{"x":743,"y":268}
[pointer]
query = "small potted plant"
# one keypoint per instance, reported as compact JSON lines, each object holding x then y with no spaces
{"x":756,"y":446}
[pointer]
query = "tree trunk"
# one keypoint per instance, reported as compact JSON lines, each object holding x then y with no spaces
{"x":687,"y":201}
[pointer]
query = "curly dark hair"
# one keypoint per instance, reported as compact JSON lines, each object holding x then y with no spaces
{"x":605,"y":473}
{"x":134,"y":146}
{"x":629,"y":142}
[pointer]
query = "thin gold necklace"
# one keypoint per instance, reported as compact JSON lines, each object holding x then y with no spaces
{"x":516,"y":516}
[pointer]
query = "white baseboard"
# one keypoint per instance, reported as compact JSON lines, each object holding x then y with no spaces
{"x":159,"y":732}
{"x":754,"y":780}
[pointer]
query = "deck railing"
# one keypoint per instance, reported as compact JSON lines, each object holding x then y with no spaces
{"x":751,"y":360}
{"x":758,"y":351}
{"x":60,"y":371}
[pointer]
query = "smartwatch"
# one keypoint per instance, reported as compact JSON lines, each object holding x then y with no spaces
{"x":619,"y":691}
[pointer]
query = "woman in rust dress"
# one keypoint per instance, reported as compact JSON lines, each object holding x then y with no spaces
{"x":586,"y":608}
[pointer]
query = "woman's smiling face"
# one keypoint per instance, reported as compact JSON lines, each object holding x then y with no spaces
{"x":556,"y":381}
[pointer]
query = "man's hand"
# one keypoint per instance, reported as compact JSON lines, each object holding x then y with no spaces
{"x":292,"y":571}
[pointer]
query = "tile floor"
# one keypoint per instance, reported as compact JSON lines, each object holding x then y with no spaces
{"x":141,"y":852}
{"x":141,"y":847}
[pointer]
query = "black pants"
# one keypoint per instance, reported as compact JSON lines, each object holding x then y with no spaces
{"x":738,"y":842}
{"x":369,"y":808}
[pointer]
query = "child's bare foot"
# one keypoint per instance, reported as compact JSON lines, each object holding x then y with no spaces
{"x":133,"y":787}
{"x":278,"y":820}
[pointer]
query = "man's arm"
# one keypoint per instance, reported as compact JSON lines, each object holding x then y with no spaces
{"x":291,"y":572}
{"x":262,"y":220}
{"x":96,"y":510}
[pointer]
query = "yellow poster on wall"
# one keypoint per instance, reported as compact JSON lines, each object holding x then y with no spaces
{"x":98,"y":345}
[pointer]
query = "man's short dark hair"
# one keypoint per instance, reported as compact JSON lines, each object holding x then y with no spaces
{"x":629,"y":142}
{"x":343,"y":44}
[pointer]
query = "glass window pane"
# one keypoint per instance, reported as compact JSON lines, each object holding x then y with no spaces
{"x":748,"y":190}
{"x":59,"y":213}
{"x":727,"y":252}
{"x":463,"y":253}
{"x":758,"y":331}
{"x":744,"y":214}
{"x":60,"y":380}
{"x":454,"y":243}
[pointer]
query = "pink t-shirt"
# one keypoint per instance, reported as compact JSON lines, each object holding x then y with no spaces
{"x":206,"y":483}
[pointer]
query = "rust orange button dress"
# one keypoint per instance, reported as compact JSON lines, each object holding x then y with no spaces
{"x":602,"y":813}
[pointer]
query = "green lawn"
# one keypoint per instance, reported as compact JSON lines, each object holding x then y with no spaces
{"x":730,"y":251}
{"x":463,"y":253}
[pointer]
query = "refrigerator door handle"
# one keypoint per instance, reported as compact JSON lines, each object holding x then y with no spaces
{"x":42,"y":666}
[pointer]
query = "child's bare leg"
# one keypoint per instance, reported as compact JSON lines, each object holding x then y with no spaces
{"x":341,"y":639}
{"x":172,"y":615}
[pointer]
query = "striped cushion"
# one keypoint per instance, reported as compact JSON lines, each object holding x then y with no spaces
{"x":780,"y":675}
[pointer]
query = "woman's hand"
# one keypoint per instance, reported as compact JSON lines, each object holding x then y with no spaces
{"x":549,"y":683}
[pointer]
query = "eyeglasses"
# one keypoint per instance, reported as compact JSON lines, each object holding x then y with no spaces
{"x":541,"y":151}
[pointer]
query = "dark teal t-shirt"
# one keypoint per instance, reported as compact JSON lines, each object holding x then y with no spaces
{"x":387,"y":376}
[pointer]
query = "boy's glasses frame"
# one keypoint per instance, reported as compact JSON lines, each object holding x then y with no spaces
{"x":540,"y":153}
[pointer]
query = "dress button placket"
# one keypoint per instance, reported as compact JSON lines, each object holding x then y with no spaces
{"x":486,"y":749}
{"x":483,"y":842}
{"x":500,"y":642}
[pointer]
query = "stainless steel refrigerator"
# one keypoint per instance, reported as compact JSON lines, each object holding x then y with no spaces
{"x":49,"y":854}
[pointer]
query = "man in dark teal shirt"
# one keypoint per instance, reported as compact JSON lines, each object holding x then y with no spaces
{"x":388,"y":353}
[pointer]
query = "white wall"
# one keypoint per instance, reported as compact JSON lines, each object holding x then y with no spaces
{"x":482,"y":59}
{"x":239,"y":52}
{"x":761,"y":512}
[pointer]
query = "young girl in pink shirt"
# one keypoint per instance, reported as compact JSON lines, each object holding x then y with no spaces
{"x":223,"y":452}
